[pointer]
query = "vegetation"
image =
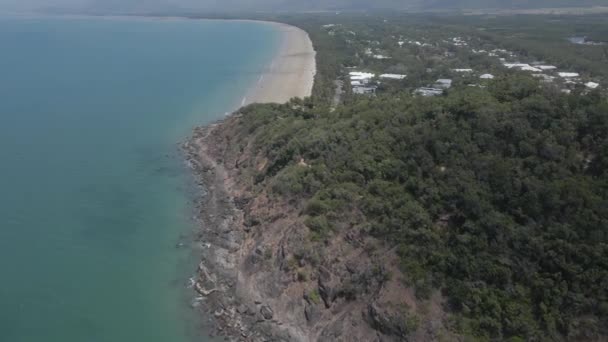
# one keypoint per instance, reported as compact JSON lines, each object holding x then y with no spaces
{"x":496,"y":194}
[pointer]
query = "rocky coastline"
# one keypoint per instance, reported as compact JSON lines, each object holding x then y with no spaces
{"x":261,"y":278}
{"x":221,"y":235}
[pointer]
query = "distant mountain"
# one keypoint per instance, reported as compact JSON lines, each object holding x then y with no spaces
{"x":511,"y":4}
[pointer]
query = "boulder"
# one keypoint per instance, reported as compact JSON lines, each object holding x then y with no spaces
{"x":242,"y":309}
{"x":329,"y":286}
{"x":310,"y":312}
{"x":387,"y":323}
{"x":266,"y":312}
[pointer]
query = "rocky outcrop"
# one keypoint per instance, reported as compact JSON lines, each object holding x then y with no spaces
{"x":263,"y":278}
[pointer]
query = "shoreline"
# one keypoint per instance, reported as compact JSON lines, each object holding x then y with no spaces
{"x":289,"y":74}
{"x":236,"y":310}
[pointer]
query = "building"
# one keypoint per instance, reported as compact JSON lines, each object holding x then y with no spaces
{"x":522,"y":66}
{"x":360,"y":78}
{"x":443,"y":83}
{"x":546,"y":67}
{"x":381,"y":57}
{"x":568,"y":74}
{"x":462,"y":70}
{"x":530,"y":68}
{"x":428,"y":91}
{"x":364,"y":90}
{"x":487,"y":77}
{"x":592,"y":85}
{"x":393,"y":76}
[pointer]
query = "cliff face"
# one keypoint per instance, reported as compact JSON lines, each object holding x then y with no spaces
{"x":264,"y":276}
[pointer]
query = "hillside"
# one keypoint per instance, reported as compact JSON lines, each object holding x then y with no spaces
{"x":477,"y":214}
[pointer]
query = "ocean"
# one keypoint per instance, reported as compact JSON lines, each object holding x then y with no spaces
{"x":96,"y":203}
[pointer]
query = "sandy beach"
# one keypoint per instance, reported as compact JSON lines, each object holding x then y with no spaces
{"x":290,"y":74}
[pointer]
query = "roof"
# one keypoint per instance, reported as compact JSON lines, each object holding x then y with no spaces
{"x":592,"y":85}
{"x":359,"y":73}
{"x":364,"y":90}
{"x":530,"y":68}
{"x":393,"y":76}
{"x":487,"y":76}
{"x":516,"y":65}
{"x":463,"y":70}
{"x":360,"y":76}
{"x":429,"y":91}
{"x":568,"y":74}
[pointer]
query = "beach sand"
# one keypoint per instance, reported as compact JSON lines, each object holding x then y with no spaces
{"x":290,"y":74}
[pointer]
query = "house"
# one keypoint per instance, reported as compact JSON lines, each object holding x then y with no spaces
{"x":462,"y":70}
{"x":592,"y":85}
{"x":530,"y":68}
{"x":428,"y":91}
{"x":546,"y":67}
{"x":522,"y":66}
{"x":381,"y":57}
{"x":443,"y":83}
{"x":515,"y":65}
{"x":364,"y":90}
{"x":393,"y":76}
{"x":568,"y":74}
{"x":487,"y":76}
{"x":361,"y":77}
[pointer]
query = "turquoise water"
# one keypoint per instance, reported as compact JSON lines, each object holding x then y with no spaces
{"x":94,"y":196}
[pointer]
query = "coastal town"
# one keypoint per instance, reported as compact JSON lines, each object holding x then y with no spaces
{"x":443,"y":61}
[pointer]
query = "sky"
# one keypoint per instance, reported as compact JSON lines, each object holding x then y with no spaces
{"x":159,"y":5}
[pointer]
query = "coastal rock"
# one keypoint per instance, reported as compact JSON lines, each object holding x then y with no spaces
{"x":386,"y":323}
{"x":328,"y":286}
{"x":310,"y":312}
{"x":266,"y":312}
{"x":243,"y":309}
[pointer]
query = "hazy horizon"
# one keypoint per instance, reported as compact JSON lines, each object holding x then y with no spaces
{"x":276,"y":5}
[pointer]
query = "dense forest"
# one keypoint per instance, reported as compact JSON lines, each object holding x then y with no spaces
{"x":495,"y":195}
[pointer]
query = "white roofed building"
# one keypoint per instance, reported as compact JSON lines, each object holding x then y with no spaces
{"x":530,"y":68}
{"x":363,"y":77}
{"x":381,"y":57}
{"x":487,"y":76}
{"x":592,"y":85}
{"x":393,"y":76}
{"x":568,"y":74}
{"x":428,"y":91}
{"x":443,"y":83}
